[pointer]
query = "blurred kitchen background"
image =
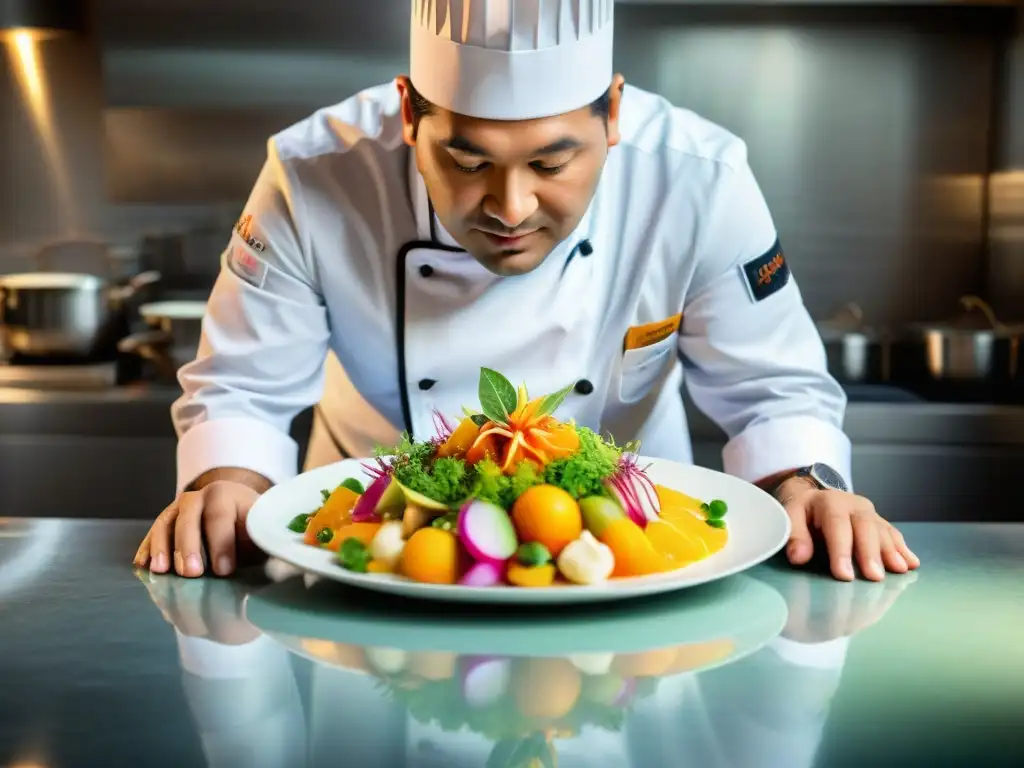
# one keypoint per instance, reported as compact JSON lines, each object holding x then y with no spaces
{"x":888,"y":139}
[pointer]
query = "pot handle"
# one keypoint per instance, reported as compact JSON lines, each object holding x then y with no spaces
{"x":971,"y":302}
{"x":135,"y":284}
{"x":151,"y":346}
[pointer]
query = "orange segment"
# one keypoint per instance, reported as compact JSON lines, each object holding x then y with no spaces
{"x":676,"y":501}
{"x":460,"y":440}
{"x":634,"y":554}
{"x":677,"y":546}
{"x":531,"y":576}
{"x":335,"y":513}
{"x":362,"y":531}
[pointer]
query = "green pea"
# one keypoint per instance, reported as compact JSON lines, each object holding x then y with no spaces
{"x":717,"y":508}
{"x":715,"y":522}
{"x":353,"y":555}
{"x":299,"y":523}
{"x":533,"y":554}
{"x":353,"y":485}
{"x":324,"y":535}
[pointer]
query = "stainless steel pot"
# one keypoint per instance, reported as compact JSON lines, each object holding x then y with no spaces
{"x":57,"y":313}
{"x":856,"y":353}
{"x":172,"y":340}
{"x":974,"y":346}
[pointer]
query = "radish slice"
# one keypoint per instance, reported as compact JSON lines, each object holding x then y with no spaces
{"x":487,"y":532}
{"x":633,"y":489}
{"x":484,"y":574}
{"x":484,"y":681}
{"x":365,"y":509}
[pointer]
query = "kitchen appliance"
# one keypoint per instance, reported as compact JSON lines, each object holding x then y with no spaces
{"x":46,"y":314}
{"x":173,"y":336}
{"x":973,"y":346}
{"x":856,"y":352}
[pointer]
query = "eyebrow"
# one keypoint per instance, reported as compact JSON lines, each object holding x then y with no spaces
{"x":462,"y":144}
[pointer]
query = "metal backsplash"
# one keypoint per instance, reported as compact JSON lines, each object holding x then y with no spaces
{"x":870,"y":129}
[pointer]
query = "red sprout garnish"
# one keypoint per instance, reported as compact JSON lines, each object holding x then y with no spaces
{"x":442,"y":426}
{"x":635,"y":490}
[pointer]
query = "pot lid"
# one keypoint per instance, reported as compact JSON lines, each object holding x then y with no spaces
{"x":174,"y":310}
{"x":50,"y":280}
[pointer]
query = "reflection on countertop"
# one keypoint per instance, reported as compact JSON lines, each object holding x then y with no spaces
{"x":774,"y":667}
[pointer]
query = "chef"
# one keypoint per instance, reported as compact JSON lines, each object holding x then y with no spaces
{"x":510,"y":204}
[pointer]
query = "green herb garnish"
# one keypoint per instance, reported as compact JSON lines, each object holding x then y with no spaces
{"x":715,"y":522}
{"x":584,"y":472}
{"x":299,"y":523}
{"x":353,"y":485}
{"x":324,"y":535}
{"x":326,"y":494}
{"x":498,"y":398}
{"x":353,"y":555}
{"x":446,"y":522}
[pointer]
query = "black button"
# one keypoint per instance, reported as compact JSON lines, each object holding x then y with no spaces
{"x":584,"y":387}
{"x":586,"y":248}
{"x":426,"y":384}
{"x":426,"y":270}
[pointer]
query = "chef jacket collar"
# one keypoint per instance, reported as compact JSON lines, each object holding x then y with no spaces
{"x":430,"y":229}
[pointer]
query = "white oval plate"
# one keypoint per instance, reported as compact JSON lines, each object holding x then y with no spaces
{"x":758,"y":528}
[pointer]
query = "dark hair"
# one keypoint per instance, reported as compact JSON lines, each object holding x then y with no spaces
{"x":600,"y":107}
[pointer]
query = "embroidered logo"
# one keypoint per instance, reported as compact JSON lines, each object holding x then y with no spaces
{"x":247,"y":267}
{"x":244,"y":229}
{"x":640,"y":336}
{"x":767,"y":274}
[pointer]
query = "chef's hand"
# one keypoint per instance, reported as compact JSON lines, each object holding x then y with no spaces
{"x":216,"y":512}
{"x":850,"y":528}
{"x":206,"y":608}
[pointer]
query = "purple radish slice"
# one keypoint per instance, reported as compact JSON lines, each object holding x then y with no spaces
{"x":365,"y":509}
{"x":484,"y":574}
{"x":486,"y":531}
{"x":484,"y":681}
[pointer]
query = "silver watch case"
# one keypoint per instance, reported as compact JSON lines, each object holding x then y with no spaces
{"x":824,"y":477}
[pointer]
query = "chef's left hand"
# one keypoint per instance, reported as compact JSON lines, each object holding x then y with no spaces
{"x":850,"y":527}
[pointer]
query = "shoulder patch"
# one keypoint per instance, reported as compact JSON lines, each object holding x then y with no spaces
{"x":767,"y":274}
{"x":247,"y":266}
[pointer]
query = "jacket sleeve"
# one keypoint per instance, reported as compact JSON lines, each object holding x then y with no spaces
{"x":753,"y":359}
{"x":265,"y":337}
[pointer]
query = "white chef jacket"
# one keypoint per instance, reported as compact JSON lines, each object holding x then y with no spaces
{"x":338,"y":250}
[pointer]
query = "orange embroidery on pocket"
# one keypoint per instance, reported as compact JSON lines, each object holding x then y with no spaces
{"x":640,"y":336}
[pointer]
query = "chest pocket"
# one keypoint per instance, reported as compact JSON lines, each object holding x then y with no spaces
{"x":641,"y":368}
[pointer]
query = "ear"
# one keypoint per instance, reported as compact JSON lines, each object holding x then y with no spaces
{"x":614,"y":105}
{"x":408,"y":124}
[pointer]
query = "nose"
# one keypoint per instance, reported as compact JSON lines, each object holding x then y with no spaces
{"x":511,"y":200}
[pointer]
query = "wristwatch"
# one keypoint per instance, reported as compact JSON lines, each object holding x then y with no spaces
{"x":823,"y":476}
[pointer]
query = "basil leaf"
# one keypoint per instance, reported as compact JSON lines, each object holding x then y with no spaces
{"x":325,"y":493}
{"x":550,"y":403}
{"x":353,"y":485}
{"x":479,"y":419}
{"x":498,"y":398}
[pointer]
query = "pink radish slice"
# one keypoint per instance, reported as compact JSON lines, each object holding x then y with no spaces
{"x":484,"y":681}
{"x":484,"y":574}
{"x":487,"y":532}
{"x":365,"y":509}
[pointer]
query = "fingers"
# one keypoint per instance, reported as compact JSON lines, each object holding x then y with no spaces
{"x":801,"y":546}
{"x":891,"y":556}
{"x":911,"y":559}
{"x":188,"y":536}
{"x":157,"y":546}
{"x":864,"y":523}
{"x":219,"y":526}
{"x":837,"y":529}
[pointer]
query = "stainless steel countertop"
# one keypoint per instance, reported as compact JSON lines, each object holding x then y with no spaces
{"x":772,"y":667}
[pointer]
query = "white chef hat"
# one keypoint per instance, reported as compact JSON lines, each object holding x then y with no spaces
{"x":511,"y":59}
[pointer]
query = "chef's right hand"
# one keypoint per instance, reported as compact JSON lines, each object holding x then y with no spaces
{"x":214,"y":515}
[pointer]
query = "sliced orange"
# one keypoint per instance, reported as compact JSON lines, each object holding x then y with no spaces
{"x":634,"y":554}
{"x":460,"y":440}
{"x":335,"y":512}
{"x":677,"y":546}
{"x":362,"y":531}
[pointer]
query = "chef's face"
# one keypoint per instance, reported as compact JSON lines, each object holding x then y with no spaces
{"x":510,"y":191}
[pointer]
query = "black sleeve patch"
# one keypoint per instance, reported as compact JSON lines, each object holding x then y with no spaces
{"x":767,"y":274}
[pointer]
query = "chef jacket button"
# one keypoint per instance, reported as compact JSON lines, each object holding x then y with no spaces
{"x":584,"y":387}
{"x":426,"y":384}
{"x":426,"y":270}
{"x":586,"y":248}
